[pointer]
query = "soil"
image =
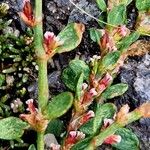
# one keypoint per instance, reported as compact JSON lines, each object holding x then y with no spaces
{"x":136,"y":71}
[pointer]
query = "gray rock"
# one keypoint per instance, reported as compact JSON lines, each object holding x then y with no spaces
{"x":48,"y":140}
{"x":56,"y":14}
{"x":136,"y":73}
{"x":88,"y":6}
{"x":142,"y":80}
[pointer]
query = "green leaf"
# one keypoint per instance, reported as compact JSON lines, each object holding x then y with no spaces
{"x":79,"y":86}
{"x":128,"y":140}
{"x":129,"y":1}
{"x":102,"y":111}
{"x":95,"y":35}
{"x":32,"y":147}
{"x":102,"y":17}
{"x":70,"y":75}
{"x":117,"y":16}
{"x":125,"y":2}
{"x":108,"y":62}
{"x":114,"y":3}
{"x":55,"y":127}
{"x":11,"y":128}
{"x":2,"y":79}
{"x":110,"y":59}
{"x":71,"y":37}
{"x":101,"y":4}
{"x":114,"y":91}
{"x":127,"y":41}
{"x":58,"y":105}
{"x":143,"y":5}
{"x":82,"y":145}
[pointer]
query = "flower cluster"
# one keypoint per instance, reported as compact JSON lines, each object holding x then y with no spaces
{"x":72,"y":138}
{"x":35,"y":118}
{"x":51,"y":42}
{"x":27,"y":13}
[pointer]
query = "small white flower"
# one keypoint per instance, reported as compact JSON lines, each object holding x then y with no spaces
{"x":102,"y":31}
{"x":84,"y":86}
{"x":118,"y":138}
{"x":12,"y":105}
{"x":27,"y":109}
{"x":15,"y":101}
{"x":81,"y":135}
{"x":16,"y":104}
{"x":92,"y":60}
{"x":29,"y":101}
{"x":37,"y":67}
{"x":10,"y":80}
{"x":96,"y":57}
{"x":114,"y":48}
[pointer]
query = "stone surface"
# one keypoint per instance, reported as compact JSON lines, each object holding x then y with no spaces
{"x":89,"y":7}
{"x":49,"y":139}
{"x":142,"y":80}
{"x":136,"y":73}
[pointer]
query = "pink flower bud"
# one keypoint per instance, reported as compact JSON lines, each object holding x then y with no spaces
{"x":107,"y":42}
{"x":31,"y":108}
{"x":48,"y":37}
{"x":90,"y":114}
{"x":51,"y":42}
{"x":24,"y":1}
{"x":113,"y":139}
{"x":86,"y":117}
{"x":74,"y":136}
{"x":104,"y":82}
{"x":93,"y":92}
{"x":108,"y":122}
{"x":123,"y":30}
{"x":104,"y":40}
